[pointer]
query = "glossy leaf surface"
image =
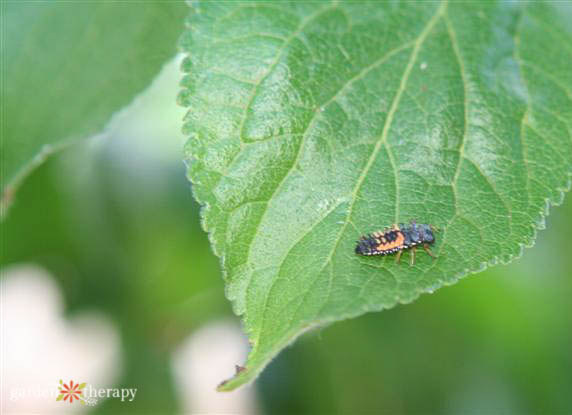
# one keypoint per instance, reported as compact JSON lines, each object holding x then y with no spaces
{"x":311,"y":124}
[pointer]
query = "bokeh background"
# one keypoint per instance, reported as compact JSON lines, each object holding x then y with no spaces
{"x":107,"y":277}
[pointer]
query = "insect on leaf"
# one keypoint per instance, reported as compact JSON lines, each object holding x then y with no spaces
{"x":313,"y":123}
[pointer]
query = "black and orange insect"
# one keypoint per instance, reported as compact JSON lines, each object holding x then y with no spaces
{"x":396,"y":239}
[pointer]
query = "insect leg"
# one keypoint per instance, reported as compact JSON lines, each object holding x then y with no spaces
{"x":426,"y":248}
{"x":398,"y":257}
{"x":413,"y":256}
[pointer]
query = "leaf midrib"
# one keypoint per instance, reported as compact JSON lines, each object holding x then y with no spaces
{"x":379,"y":144}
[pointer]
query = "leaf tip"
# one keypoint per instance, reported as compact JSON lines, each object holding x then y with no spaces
{"x":241,"y":376}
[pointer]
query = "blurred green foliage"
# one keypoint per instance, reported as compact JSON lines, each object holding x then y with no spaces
{"x":114,"y":221}
{"x":68,"y":66}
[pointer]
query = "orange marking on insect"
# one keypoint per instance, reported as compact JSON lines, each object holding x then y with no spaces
{"x":394,"y":244}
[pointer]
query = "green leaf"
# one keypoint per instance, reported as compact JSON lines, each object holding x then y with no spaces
{"x":311,"y":124}
{"x":82,"y":385}
{"x":68,"y":66}
{"x":60,"y":397}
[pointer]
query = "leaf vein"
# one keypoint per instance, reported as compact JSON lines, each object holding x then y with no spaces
{"x":359,"y":76}
{"x":383,"y":138}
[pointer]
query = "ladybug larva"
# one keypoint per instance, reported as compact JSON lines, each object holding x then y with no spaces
{"x":396,"y":239}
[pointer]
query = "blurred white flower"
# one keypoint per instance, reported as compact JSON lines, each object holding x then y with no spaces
{"x":205,"y":359}
{"x":40,"y":346}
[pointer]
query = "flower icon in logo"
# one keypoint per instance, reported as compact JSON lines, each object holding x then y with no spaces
{"x":71,"y":391}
